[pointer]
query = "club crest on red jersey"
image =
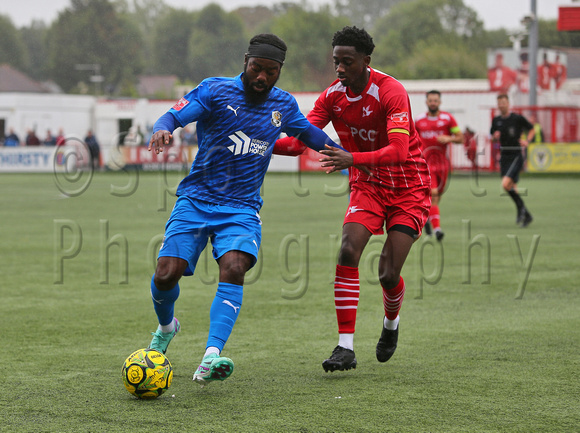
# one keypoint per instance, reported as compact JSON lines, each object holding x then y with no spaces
{"x":180,"y":104}
{"x":402,"y":117}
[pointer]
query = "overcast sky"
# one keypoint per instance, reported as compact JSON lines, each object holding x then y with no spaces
{"x":494,"y":13}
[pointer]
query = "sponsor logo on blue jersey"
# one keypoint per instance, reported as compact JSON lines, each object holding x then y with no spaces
{"x":244,"y":144}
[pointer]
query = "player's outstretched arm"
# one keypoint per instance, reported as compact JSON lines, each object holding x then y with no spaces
{"x":162,"y":132}
{"x":316,"y":139}
{"x":289,"y":146}
{"x":394,"y":153}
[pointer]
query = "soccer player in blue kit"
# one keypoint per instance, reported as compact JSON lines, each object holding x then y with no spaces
{"x":238,"y":122}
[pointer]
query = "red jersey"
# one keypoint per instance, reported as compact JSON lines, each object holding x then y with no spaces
{"x":501,"y":78}
{"x":544,"y":75}
{"x":559,"y":73}
{"x":363,"y":123}
{"x":431,"y":127}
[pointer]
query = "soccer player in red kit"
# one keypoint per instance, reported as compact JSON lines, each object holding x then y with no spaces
{"x":437,"y":129}
{"x":389,"y":182}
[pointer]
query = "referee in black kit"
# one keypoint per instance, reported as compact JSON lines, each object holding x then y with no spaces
{"x":507,"y":128}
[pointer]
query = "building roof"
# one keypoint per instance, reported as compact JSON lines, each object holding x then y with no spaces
{"x":12,"y":80}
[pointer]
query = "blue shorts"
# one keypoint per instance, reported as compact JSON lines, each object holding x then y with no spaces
{"x":193,"y":222}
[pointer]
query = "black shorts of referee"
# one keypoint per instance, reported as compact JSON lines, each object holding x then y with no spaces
{"x":510,"y":164}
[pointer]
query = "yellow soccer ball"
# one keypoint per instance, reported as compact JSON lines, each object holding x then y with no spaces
{"x":147,"y":373}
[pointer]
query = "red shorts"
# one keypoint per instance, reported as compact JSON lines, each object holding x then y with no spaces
{"x":439,"y":169}
{"x":376,"y":207}
{"x":439,"y":175}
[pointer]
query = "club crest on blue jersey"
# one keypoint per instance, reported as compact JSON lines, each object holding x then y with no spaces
{"x":276,"y":119}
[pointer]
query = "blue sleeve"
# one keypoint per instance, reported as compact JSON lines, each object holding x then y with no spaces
{"x":167,"y":122}
{"x":315,"y":138}
{"x":196,"y":104}
{"x":298,"y":126}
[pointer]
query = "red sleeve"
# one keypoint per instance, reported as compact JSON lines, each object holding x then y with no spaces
{"x":319,"y":116}
{"x":393,"y":154}
{"x":289,"y":146}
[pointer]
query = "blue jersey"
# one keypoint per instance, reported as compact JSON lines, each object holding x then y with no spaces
{"x":236,"y":139}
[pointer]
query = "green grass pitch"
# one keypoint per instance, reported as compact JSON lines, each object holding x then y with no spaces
{"x":489,"y":336}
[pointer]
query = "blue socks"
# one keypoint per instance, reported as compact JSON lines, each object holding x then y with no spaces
{"x":223,"y":313}
{"x":163,"y":302}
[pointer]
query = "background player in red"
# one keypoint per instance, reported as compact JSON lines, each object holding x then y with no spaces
{"x":437,"y":129}
{"x":544,"y":73}
{"x":559,"y":72}
{"x":500,"y":77}
{"x":371,"y":113}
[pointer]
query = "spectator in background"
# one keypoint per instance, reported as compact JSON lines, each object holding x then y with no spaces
{"x":538,"y":136}
{"x":500,"y":77}
{"x":470,"y":145}
{"x":12,"y":139}
{"x":60,"y":139}
{"x":32,"y":139}
{"x":49,"y":140}
{"x":94,"y":149}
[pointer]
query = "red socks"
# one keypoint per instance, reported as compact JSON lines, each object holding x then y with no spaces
{"x":434,"y":217}
{"x":393,"y":299}
{"x":346,"y":295}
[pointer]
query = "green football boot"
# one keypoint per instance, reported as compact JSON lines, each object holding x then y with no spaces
{"x":161,"y":340}
{"x":213,"y":367}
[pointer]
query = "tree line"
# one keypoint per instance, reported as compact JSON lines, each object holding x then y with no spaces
{"x":417,"y":39}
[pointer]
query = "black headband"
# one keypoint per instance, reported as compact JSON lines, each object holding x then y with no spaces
{"x":266,"y":51}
